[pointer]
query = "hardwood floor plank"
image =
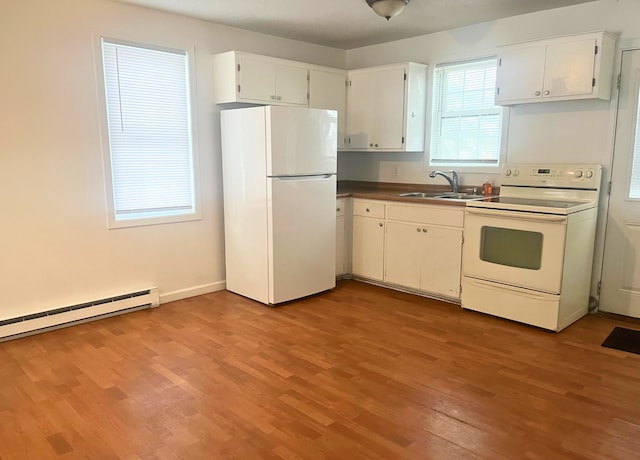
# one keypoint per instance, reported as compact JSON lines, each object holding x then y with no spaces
{"x":359,"y":372}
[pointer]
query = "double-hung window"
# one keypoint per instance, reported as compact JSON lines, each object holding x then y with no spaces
{"x":466,"y":125}
{"x":150,"y":163}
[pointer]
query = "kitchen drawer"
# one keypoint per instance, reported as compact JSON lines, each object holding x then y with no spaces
{"x":449,"y":216}
{"x":340,"y":205}
{"x":369,"y":209}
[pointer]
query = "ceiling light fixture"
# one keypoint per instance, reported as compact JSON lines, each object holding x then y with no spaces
{"x":387,"y":8}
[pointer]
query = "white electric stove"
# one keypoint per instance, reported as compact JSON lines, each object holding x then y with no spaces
{"x":528,"y":253}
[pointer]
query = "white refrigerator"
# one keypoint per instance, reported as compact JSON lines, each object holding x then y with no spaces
{"x":279,"y":182}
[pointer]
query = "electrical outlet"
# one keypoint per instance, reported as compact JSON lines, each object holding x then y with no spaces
{"x":396,"y":170}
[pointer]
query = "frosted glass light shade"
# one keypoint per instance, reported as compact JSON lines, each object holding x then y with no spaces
{"x":387,"y":8}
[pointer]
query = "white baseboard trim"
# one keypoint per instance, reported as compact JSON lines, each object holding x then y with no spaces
{"x":192,"y":291}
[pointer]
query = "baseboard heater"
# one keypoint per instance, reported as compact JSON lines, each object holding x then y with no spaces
{"x":56,"y":318}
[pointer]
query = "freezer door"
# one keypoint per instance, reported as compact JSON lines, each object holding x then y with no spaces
{"x":302,"y":236}
{"x":301,"y":141}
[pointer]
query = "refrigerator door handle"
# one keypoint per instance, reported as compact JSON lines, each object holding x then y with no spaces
{"x":305,"y":177}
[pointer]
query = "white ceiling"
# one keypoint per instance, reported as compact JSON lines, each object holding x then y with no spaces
{"x":348,"y":24}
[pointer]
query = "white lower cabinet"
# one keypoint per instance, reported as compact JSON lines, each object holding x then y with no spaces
{"x":341,"y":266}
{"x":418,"y":247}
{"x":424,"y":258}
{"x":367,"y":255}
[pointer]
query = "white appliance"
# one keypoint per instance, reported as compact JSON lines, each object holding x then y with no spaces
{"x":528,"y":253}
{"x":279,"y":176}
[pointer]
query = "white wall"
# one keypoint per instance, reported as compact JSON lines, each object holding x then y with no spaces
{"x":568,"y":132}
{"x":561,"y":131}
{"x":55,"y":247}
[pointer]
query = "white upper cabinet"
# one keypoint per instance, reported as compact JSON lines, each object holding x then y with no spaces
{"x":556,"y":69}
{"x":255,"y":79}
{"x":386,"y":108}
{"x":327,"y":90}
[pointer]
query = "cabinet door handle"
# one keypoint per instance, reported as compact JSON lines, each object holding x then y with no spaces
{"x":338,"y":209}
{"x":376,"y":145}
{"x":367,"y":209}
{"x":279,"y":98}
{"x":380,"y":224}
{"x":537,"y":93}
{"x":418,"y":230}
{"x":273,"y":97}
{"x":371,"y":144}
{"x":424,"y":230}
{"x":546,"y":93}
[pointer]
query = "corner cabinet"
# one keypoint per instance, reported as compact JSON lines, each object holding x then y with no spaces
{"x":386,"y":108}
{"x":254,"y":79}
{"x":556,"y":69}
{"x":327,"y":90}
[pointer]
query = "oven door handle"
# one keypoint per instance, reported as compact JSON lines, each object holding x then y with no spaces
{"x":517,"y":215}
{"x":520,"y":291}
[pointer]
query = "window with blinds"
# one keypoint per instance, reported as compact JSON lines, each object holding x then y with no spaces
{"x":466,"y":125}
{"x":151,"y":167}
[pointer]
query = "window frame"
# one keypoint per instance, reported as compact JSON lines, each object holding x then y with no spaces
{"x":112,"y":221}
{"x":461,"y":167}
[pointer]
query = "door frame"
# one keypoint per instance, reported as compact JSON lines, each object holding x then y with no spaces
{"x":624,"y":44}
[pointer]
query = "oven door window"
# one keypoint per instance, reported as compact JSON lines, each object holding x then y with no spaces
{"x":510,"y":247}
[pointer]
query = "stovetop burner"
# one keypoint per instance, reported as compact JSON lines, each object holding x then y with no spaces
{"x":559,"y":189}
{"x":532,"y":205}
{"x":535,"y":202}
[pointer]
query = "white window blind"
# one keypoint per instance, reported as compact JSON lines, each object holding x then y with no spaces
{"x":466,"y":126}
{"x":149,"y":123}
{"x":634,"y":188}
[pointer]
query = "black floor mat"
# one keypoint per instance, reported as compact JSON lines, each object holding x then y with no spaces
{"x":623,"y":339}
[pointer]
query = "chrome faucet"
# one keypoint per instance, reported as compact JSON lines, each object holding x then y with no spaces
{"x":453,"y":180}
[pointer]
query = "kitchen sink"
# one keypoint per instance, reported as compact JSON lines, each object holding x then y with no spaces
{"x":443,"y":196}
{"x":460,"y":196}
{"x":421,"y":194}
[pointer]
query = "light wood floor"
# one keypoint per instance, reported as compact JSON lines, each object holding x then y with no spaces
{"x":358,"y":373}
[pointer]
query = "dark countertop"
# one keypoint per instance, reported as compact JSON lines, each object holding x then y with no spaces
{"x":389,"y":191}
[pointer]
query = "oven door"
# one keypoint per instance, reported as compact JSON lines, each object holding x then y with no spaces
{"x":522,"y":249}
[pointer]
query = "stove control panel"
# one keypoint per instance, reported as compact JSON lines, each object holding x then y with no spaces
{"x":582,"y":176}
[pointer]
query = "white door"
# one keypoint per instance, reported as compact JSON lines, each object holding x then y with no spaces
{"x":368,"y":247}
{"x":569,"y":68}
{"x":257,"y":80}
{"x":291,"y":85}
{"x":404,"y":252}
{"x":301,"y":141}
{"x":520,"y":73}
{"x":620,"y":291}
{"x":302,"y":236}
{"x":361,"y":110}
{"x":440,"y":270}
{"x":389,"y":109}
